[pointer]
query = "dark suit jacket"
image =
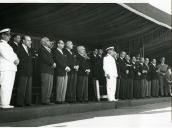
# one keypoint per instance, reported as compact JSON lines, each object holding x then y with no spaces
{"x":121,"y":68}
{"x":93,"y":61}
{"x":25,"y":67}
{"x":143,"y":67}
{"x":129,"y":68}
{"x":45,"y":61}
{"x":152,"y":70}
{"x":133,"y":71}
{"x":61,"y":63}
{"x":99,"y":65}
{"x":71,"y":60}
{"x":15,"y":47}
{"x":83,"y":65}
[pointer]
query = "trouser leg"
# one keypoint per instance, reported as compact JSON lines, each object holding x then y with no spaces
{"x":44,"y":87}
{"x":29,"y":91}
{"x":21,"y":90}
{"x":64,"y":87}
{"x":6,"y":83}
{"x":111,"y":88}
{"x":85,"y":90}
{"x":59,"y":87}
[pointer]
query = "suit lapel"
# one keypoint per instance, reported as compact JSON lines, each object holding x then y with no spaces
{"x":46,"y":51}
{"x":24,"y":50}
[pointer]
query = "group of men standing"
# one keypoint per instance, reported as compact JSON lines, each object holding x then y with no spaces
{"x":139,"y":78}
{"x":124,"y":78}
{"x":133,"y":78}
{"x":15,"y":68}
{"x":60,"y":65}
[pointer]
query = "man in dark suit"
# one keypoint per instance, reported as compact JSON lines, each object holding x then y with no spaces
{"x":60,"y":72}
{"x":147,"y":81}
{"x":128,"y":78}
{"x":144,"y":71}
{"x":46,"y":66}
{"x":100,"y":73}
{"x":15,"y":42}
{"x":93,"y":94}
{"x":154,"y":78}
{"x":83,"y":72}
{"x":122,"y":72}
{"x":15,"y":45}
{"x":72,"y":75}
{"x":24,"y":89}
{"x":132,"y":76}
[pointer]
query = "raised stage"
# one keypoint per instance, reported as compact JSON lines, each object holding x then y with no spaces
{"x":37,"y":111}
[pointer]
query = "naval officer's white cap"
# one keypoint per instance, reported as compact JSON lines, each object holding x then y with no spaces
{"x":6,"y":30}
{"x":109,"y":48}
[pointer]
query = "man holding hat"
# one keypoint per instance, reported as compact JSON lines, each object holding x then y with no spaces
{"x":8,"y":68}
{"x":110,"y":69}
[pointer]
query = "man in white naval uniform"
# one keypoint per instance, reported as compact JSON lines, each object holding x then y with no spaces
{"x":110,"y":69}
{"x":8,"y":68}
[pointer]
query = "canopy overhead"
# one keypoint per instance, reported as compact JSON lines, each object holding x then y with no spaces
{"x":93,"y":25}
{"x":151,"y":13}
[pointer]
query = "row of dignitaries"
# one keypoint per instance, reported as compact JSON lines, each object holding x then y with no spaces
{"x":139,"y":78}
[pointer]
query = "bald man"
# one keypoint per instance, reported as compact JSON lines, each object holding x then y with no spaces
{"x":46,"y":65}
{"x":83,"y":72}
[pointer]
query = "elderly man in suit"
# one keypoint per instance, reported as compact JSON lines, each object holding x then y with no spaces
{"x":25,"y":68}
{"x":46,"y":66}
{"x":83,"y":72}
{"x":154,"y":78}
{"x":8,"y":68}
{"x":110,"y":69}
{"x":60,"y":72}
{"x":148,"y":82}
{"x":122,"y":70}
{"x":72,"y":75}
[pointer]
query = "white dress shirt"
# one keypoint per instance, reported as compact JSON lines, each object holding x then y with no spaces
{"x":47,"y":48}
{"x":60,"y":50}
{"x":16,"y":43}
{"x":7,"y":57}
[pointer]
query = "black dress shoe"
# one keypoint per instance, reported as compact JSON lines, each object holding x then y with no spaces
{"x":29,"y":104}
{"x":63,"y":102}
{"x":45,"y":103}
{"x":58,"y":102}
{"x":19,"y":105}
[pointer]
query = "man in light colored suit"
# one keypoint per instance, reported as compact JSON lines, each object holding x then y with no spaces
{"x":8,"y":68}
{"x":60,"y":72}
{"x":110,"y":69}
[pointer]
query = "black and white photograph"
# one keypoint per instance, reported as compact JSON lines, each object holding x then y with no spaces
{"x":86,"y":63}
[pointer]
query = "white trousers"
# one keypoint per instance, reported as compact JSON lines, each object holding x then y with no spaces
{"x":6,"y":87}
{"x":111,"y":88}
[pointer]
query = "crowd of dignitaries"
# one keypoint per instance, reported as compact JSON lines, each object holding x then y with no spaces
{"x":136,"y":77}
{"x":76,"y":76}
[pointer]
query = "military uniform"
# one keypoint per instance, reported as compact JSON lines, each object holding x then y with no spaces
{"x":109,"y":66}
{"x":7,"y":73}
